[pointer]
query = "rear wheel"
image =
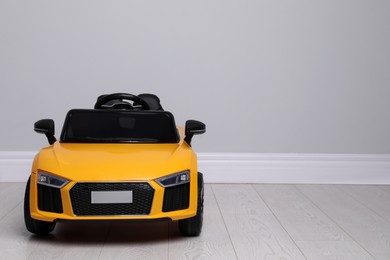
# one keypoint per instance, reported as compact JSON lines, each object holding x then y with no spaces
{"x":35,"y":226}
{"x":193,"y":226}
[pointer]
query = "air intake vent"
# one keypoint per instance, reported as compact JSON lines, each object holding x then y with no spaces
{"x":49,"y":199}
{"x":141,"y":204}
{"x":176,"y":197}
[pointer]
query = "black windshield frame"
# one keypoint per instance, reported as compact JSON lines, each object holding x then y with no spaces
{"x":119,"y":126}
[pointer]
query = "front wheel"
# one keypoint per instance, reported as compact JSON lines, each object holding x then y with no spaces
{"x":193,"y":226}
{"x":35,"y":226}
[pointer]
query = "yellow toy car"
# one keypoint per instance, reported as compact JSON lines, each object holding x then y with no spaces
{"x":123,"y":160}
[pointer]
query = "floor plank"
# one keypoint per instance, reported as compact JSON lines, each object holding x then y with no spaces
{"x":241,"y":221}
{"x":299,"y":216}
{"x":207,"y":190}
{"x":214,"y":241}
{"x":384,"y":187}
{"x":15,"y":241}
{"x":72,"y":241}
{"x":11,"y":194}
{"x":330,"y":250}
{"x":371,"y":196}
{"x":368,"y":229}
{"x":254,"y":230}
{"x":136,"y":240}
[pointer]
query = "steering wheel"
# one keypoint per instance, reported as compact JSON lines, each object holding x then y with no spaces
{"x":103,"y":100}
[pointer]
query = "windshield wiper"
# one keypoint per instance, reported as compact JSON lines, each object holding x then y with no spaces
{"x":143,"y":140}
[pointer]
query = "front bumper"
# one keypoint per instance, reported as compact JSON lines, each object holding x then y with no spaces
{"x":158,"y":208}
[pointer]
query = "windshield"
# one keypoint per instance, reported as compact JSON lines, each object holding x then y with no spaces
{"x":119,"y":126}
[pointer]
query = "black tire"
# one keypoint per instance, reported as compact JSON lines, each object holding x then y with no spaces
{"x":193,"y":226}
{"x":35,"y":226}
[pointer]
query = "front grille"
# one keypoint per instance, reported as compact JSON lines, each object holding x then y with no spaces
{"x":80,"y":195}
{"x":176,"y":197}
{"x":49,"y":199}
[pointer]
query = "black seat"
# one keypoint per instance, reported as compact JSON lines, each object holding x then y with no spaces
{"x":152,"y":100}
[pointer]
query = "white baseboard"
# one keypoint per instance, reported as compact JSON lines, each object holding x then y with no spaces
{"x":255,"y":168}
{"x":296,"y":168}
{"x":15,"y":166}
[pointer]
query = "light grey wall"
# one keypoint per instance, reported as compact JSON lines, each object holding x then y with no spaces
{"x":265,"y":76}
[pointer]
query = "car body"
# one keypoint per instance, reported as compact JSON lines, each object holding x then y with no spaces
{"x":123,"y":160}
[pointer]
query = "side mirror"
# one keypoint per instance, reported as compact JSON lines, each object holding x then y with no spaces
{"x":193,"y":127}
{"x":46,"y":126}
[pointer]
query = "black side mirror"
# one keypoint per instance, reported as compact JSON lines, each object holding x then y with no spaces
{"x":193,"y":127}
{"x":46,"y":126}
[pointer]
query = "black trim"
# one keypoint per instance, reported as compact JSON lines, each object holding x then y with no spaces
{"x":112,"y":220}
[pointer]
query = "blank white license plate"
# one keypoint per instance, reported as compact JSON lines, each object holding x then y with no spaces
{"x":99,"y":197}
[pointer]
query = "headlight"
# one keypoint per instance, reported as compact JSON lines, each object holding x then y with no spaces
{"x":51,"y":180}
{"x":174,"y":179}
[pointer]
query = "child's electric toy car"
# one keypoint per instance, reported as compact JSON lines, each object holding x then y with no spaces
{"x":123,"y":160}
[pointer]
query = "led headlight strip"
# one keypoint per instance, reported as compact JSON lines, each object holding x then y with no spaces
{"x":174,"y":179}
{"x":50,"y":180}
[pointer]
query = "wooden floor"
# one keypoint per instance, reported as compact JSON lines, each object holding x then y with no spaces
{"x":242,"y":221}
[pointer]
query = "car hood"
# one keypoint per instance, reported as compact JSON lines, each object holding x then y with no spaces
{"x":115,"y":162}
